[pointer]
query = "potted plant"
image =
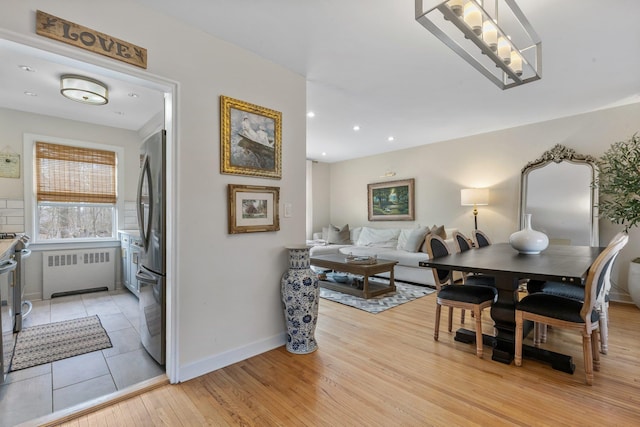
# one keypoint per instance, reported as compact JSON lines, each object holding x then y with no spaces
{"x":619,"y":186}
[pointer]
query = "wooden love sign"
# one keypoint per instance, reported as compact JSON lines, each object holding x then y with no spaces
{"x":86,"y":38}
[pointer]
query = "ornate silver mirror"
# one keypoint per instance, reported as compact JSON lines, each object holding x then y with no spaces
{"x":558,"y":191}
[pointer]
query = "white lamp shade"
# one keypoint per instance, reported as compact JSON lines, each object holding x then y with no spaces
{"x":474,"y":196}
{"x":83,"y":89}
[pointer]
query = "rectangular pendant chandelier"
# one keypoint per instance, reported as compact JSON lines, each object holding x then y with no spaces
{"x":493,"y":36}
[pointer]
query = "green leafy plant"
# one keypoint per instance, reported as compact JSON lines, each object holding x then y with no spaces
{"x":619,"y":183}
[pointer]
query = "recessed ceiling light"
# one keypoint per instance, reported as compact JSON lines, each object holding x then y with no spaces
{"x":324,"y":154}
{"x":26,"y":92}
{"x":133,"y":95}
{"x":356,"y":128}
{"x":27,"y":68}
{"x":390,"y":139}
{"x":311,"y":114}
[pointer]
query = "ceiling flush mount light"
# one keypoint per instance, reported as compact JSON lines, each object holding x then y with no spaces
{"x":356,"y":128}
{"x":84,"y":89}
{"x":493,"y":36}
{"x":311,"y":114}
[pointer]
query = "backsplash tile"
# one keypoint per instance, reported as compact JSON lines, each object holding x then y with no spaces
{"x":11,"y":216}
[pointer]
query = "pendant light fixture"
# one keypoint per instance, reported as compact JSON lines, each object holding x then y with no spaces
{"x":84,"y":89}
{"x":493,"y":36}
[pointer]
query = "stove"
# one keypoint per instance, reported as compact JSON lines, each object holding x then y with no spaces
{"x":19,"y":308}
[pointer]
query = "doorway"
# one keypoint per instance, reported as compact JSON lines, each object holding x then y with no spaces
{"x":113,"y":72}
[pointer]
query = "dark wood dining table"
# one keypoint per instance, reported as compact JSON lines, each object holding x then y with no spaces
{"x":558,"y":263}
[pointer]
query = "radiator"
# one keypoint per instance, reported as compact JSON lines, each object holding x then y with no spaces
{"x":78,"y":270}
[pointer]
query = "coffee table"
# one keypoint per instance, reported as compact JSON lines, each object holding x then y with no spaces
{"x":369,"y":289}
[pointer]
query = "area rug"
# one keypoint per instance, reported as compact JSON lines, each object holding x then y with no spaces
{"x":56,"y":341}
{"x":403,"y":294}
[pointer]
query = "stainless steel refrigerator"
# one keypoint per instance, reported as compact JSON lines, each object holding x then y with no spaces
{"x":152,"y":264}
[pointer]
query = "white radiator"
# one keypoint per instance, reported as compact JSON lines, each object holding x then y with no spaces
{"x":77,"y":270}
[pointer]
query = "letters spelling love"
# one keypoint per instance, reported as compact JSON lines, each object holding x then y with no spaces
{"x":88,"y":39}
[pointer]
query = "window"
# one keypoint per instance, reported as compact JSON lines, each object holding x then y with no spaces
{"x":75,"y":190}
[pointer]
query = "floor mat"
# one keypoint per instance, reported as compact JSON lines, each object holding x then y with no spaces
{"x":56,"y":341}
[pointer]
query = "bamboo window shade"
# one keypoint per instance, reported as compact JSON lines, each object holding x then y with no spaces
{"x":75,"y":174}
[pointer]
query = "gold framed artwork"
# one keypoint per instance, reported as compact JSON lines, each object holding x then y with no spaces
{"x":253,"y":208}
{"x":251,"y":139}
{"x":391,"y":201}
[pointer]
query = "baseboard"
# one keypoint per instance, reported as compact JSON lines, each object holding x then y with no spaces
{"x":618,"y":296}
{"x":210,"y":364}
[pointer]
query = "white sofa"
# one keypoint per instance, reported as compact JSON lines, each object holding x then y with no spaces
{"x":387,"y":243}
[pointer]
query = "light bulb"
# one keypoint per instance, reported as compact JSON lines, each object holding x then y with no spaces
{"x":490,"y":35}
{"x":473,"y":17}
{"x":456,"y":6}
{"x":516,"y":62}
{"x":504,"y":50}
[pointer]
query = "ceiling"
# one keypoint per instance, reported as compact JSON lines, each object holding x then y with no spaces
{"x":369,"y":63}
{"x":38,"y":90}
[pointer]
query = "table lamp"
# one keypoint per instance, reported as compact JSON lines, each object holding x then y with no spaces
{"x":474,"y":197}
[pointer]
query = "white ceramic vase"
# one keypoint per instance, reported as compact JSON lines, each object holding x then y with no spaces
{"x":529,"y":241}
{"x":633,"y":282}
{"x":300,"y":295}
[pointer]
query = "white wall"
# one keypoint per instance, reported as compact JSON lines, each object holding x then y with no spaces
{"x":321,"y":193}
{"x":228,"y":286}
{"x":492,"y":160}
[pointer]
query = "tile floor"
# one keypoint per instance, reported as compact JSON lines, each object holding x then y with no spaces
{"x":41,"y":390}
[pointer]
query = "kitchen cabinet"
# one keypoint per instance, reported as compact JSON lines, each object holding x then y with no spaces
{"x":130,"y":248}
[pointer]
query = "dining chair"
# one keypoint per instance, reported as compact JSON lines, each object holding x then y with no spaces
{"x":569,"y":313}
{"x":576,"y":291}
{"x":462,"y":245}
{"x":467,"y":297}
{"x":480,"y":238}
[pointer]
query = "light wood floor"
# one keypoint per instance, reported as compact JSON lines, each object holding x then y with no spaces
{"x":386,"y":370}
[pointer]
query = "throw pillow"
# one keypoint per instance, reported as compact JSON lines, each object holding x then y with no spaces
{"x":379,"y":237}
{"x":325,"y":233}
{"x":404,"y":236}
{"x":415,"y":240}
{"x":439,"y":231}
{"x":339,"y":236}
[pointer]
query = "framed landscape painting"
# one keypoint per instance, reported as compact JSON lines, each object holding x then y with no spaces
{"x":251,"y":139}
{"x":391,"y":201}
{"x":253,"y":208}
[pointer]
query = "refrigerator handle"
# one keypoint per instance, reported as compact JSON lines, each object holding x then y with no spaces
{"x":145,"y":278}
{"x":144,"y":231}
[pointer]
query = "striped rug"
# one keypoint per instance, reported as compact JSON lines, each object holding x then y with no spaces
{"x":403,"y":294}
{"x":56,"y":341}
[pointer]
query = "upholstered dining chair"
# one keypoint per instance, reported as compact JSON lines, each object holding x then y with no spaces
{"x":463,"y":244}
{"x":576,"y":291}
{"x":467,"y":297}
{"x":568,"y":313}
{"x":480,"y":238}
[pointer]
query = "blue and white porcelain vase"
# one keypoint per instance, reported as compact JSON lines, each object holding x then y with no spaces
{"x":300,"y":295}
{"x":529,"y":241}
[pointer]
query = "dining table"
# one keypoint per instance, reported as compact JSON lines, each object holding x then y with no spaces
{"x":557,"y":263}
